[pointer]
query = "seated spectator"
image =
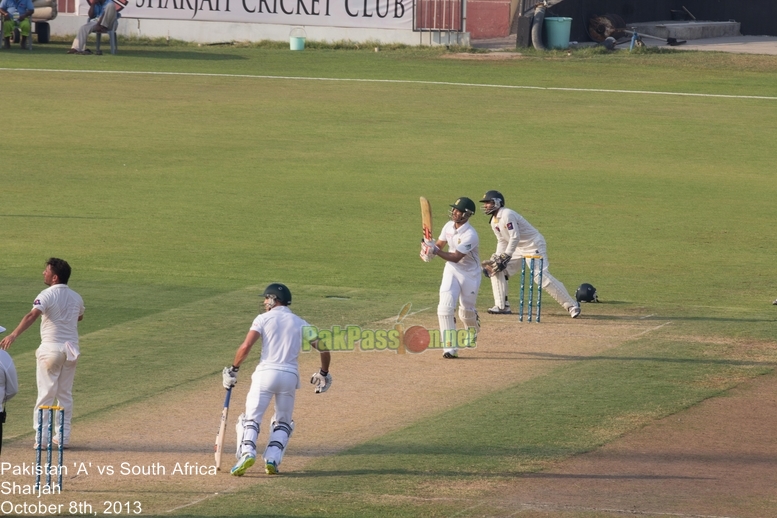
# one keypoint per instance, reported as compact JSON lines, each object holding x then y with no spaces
{"x":102,"y":15}
{"x":16,"y":13}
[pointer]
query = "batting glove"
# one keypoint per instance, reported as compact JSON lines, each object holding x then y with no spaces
{"x":322,"y":380}
{"x":229,"y":377}
{"x":428,"y":250}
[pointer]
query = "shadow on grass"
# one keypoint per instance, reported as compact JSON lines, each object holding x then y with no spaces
{"x":481,"y":474}
{"x":690,"y":361}
{"x":61,"y":48}
{"x":52,"y":217}
{"x":190,"y":55}
{"x":584,"y":476}
{"x":522,"y":356}
{"x":664,"y":318}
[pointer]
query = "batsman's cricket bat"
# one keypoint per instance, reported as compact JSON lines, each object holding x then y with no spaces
{"x":426,"y":218}
{"x":219,"y":447}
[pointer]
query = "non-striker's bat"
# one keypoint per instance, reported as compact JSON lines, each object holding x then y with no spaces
{"x":219,"y":447}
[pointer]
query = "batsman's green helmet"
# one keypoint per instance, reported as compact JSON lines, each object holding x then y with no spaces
{"x":464,"y":204}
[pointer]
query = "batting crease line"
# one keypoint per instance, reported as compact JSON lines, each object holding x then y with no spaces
{"x":395,"y":81}
{"x":653,"y":329}
{"x":419,"y":311}
{"x":461,"y":513}
{"x":200,"y":500}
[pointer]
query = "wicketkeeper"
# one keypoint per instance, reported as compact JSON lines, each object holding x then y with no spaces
{"x":277,"y":375}
{"x":515,"y":239}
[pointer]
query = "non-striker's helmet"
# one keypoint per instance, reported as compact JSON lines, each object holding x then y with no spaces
{"x":279,"y":292}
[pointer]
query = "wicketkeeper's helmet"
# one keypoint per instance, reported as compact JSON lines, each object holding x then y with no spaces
{"x":586,"y":293}
{"x":497,"y":198}
{"x":279,"y":292}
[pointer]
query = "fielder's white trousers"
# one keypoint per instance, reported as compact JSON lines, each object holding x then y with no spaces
{"x":55,"y":375}
{"x":456,"y":285}
{"x":265,"y":384}
{"x":550,"y":284}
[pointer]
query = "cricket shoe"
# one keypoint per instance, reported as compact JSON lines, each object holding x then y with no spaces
{"x":55,"y":442}
{"x":271,"y":468}
{"x":245,"y":462}
{"x":775,"y":302}
{"x":496,"y":310}
{"x":574,"y":311}
{"x":450,"y":356}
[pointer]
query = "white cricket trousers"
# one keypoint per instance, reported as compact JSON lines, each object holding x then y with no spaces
{"x":265,"y":384}
{"x":550,"y":284}
{"x":456,"y":285}
{"x":55,"y":375}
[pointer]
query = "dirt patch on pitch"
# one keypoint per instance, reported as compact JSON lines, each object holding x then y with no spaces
{"x":159,"y":452}
{"x":716,"y":459}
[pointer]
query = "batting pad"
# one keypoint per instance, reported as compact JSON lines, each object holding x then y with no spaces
{"x":470,"y":318}
{"x":279,"y":438}
{"x":247,"y":432}
{"x":499,"y":287}
{"x":446,"y":321}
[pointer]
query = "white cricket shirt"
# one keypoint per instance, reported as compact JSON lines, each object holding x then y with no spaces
{"x":281,"y":332}
{"x":9,"y":384}
{"x":61,"y":308}
{"x":465,"y":240}
{"x":513,"y":233}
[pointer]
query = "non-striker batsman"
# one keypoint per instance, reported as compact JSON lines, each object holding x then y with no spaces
{"x":277,"y":375}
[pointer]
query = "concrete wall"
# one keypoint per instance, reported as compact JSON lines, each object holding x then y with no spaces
{"x":757,"y":17}
{"x":485,"y":19}
{"x":217,"y":32}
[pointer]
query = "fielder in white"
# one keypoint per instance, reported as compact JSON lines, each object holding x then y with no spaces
{"x":9,"y":385}
{"x":461,"y":276}
{"x":62,"y":309}
{"x":276,"y":375}
{"x":516,"y":238}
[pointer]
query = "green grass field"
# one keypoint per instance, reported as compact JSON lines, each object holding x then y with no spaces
{"x":177,"y":197}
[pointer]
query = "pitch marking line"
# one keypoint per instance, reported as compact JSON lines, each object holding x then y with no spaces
{"x":195,"y":502}
{"x":652,"y":329}
{"x":394,"y":81}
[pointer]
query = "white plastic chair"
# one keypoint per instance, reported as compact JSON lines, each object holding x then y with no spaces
{"x":111,"y":36}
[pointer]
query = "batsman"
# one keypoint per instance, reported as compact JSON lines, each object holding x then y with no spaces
{"x":515,"y":239}
{"x":277,"y":375}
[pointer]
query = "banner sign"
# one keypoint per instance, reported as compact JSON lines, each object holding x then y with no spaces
{"x":377,"y":14}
